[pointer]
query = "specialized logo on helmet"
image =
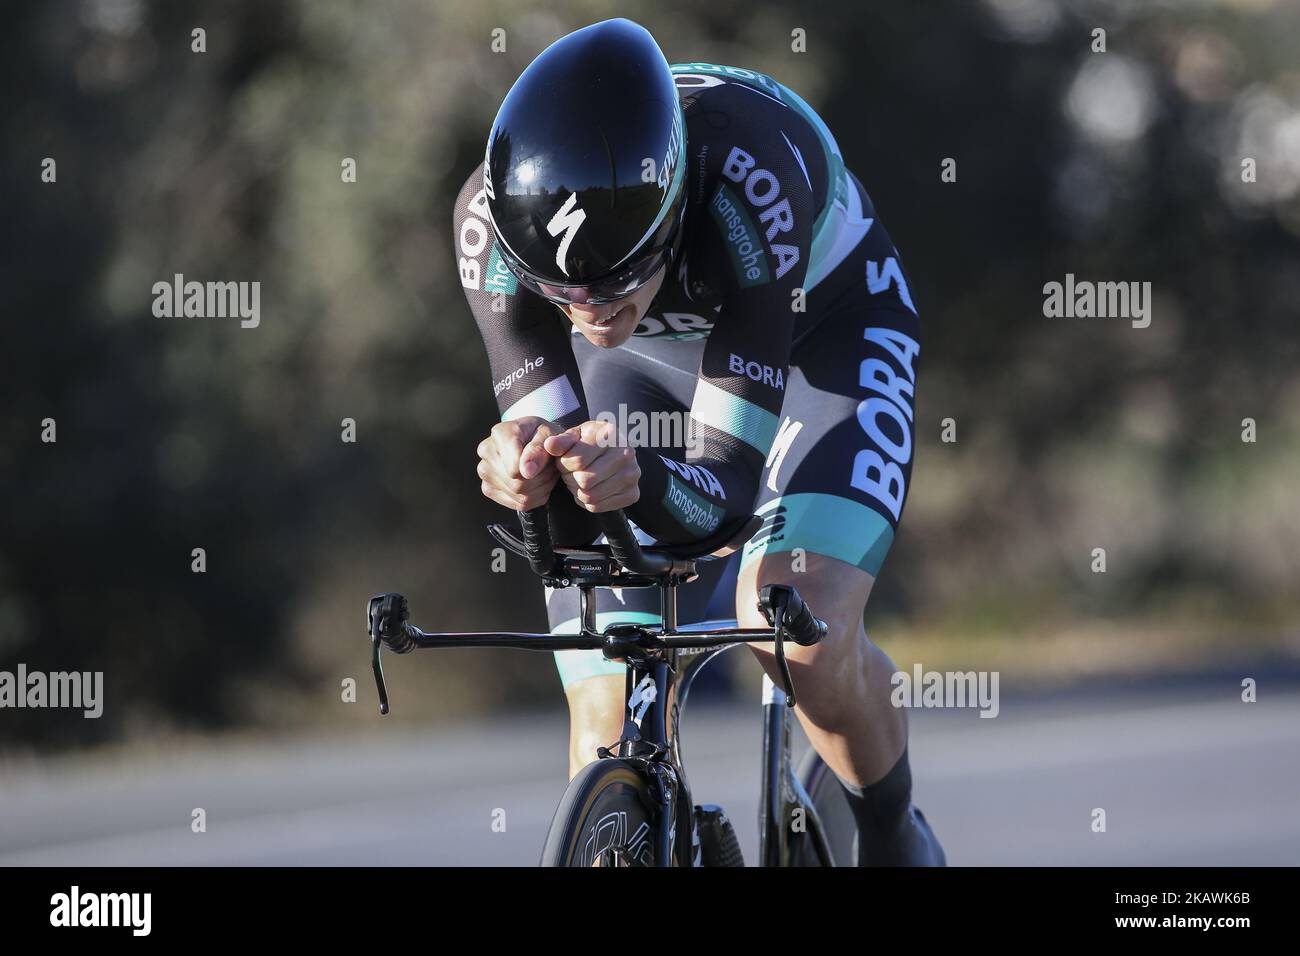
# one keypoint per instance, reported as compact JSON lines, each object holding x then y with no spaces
{"x":671,"y":155}
{"x":566,"y":221}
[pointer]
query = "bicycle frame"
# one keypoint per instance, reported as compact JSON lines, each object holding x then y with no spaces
{"x":786,"y":806}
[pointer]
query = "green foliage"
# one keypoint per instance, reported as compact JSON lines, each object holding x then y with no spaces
{"x":177,"y":433}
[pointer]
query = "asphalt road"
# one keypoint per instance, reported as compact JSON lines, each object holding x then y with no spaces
{"x":1187,"y":776}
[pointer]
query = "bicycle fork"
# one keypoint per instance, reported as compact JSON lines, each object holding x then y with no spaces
{"x":776,"y":766}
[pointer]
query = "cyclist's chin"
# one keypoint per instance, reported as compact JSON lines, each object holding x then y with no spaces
{"x":609,"y":335}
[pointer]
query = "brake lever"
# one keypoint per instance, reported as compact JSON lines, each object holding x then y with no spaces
{"x":378,"y":669}
{"x":373,"y":619}
{"x":778,"y":619}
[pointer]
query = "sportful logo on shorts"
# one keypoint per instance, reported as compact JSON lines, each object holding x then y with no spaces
{"x":771,"y":529}
{"x":837,"y":527}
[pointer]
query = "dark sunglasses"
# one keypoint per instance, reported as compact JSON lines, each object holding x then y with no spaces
{"x":610,"y":289}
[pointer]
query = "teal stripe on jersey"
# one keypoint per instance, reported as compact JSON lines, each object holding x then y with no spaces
{"x":837,"y":527}
{"x":741,"y":236}
{"x":579,"y":665}
{"x":499,"y":278}
{"x":552,"y":402}
{"x":729,"y":413}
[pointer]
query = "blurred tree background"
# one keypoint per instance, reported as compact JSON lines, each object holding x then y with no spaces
{"x":175,"y":433}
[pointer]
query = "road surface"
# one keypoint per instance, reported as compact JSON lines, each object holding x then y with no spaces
{"x":1186,"y":775}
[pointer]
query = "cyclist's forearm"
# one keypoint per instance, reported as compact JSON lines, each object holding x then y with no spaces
{"x":684,"y":500}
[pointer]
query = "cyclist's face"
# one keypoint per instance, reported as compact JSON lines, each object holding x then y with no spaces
{"x":610,"y":324}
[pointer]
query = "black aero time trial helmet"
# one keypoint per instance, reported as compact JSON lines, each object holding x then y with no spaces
{"x":585,"y":166}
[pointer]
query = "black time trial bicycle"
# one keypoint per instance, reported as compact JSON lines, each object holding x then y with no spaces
{"x":633,"y":805}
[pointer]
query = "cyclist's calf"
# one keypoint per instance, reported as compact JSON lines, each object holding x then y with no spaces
{"x":844,"y":681}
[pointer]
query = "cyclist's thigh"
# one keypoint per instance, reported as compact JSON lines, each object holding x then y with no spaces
{"x":839,"y":470}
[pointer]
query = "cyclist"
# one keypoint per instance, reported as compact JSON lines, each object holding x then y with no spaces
{"x":648,"y":244}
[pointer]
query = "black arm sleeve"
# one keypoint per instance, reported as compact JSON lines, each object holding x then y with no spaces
{"x":534,"y":372}
{"x":760,"y":207}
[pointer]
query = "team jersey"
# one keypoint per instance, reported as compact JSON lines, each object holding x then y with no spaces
{"x":771,"y":212}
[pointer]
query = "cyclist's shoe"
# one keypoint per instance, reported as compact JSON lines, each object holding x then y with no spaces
{"x":928,"y":851}
{"x":910,"y":842}
{"x":891,"y":831}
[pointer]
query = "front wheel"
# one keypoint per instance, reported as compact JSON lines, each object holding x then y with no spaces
{"x":606,"y":818}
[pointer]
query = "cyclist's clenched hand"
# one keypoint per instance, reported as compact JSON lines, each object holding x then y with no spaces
{"x":600,"y":475}
{"x":513,"y":466}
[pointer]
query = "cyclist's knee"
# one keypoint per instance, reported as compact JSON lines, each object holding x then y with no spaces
{"x":836,"y":592}
{"x":845,"y":665}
